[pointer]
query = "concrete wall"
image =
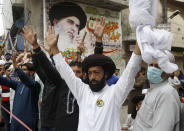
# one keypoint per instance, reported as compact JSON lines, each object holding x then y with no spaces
{"x":7,"y":15}
{"x":34,"y":16}
{"x":177,"y":26}
{"x":128,"y":33}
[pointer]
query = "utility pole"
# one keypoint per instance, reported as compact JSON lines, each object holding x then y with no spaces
{"x":164,"y":11}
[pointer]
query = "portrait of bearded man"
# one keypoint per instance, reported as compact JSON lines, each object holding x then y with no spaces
{"x":68,"y":19}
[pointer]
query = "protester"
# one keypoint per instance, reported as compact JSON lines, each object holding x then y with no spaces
{"x":160,"y":110}
{"x":97,"y":101}
{"x":12,"y":92}
{"x":137,"y":100}
{"x":25,"y":105}
{"x":2,"y":70}
{"x":58,"y":93}
{"x":140,"y":83}
{"x":5,"y":96}
{"x":58,"y":104}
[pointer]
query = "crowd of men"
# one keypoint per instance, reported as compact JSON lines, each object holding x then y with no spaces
{"x":84,"y":95}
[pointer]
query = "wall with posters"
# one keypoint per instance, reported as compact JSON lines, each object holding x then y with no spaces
{"x":112,"y":38}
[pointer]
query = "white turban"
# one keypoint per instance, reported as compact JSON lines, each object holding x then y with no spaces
{"x":155,"y":44}
{"x":142,"y":12}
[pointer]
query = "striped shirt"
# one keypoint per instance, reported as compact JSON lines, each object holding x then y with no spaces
{"x":5,"y":96}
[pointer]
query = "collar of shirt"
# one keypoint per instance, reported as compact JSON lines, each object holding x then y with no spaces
{"x":153,"y":86}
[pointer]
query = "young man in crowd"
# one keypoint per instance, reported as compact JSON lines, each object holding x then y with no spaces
{"x":99,"y":104}
{"x":141,"y":83}
{"x":137,"y":101}
{"x":25,"y":105}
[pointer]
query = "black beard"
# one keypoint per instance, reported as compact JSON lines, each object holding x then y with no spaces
{"x":98,"y":86}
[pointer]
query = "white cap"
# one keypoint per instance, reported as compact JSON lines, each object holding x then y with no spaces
{"x":2,"y":62}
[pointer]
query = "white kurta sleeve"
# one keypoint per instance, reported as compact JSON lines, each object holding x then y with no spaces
{"x":167,"y":114}
{"x":127,"y":79}
{"x":75,"y":84}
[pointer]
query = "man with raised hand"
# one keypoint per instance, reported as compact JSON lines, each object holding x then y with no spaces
{"x":58,"y":103}
{"x":25,"y":105}
{"x":99,"y":104}
{"x":160,"y":110}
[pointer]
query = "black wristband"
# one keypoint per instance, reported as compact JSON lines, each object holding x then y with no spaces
{"x":37,"y":50}
{"x":98,"y":44}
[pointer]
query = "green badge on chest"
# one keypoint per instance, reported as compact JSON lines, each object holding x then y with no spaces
{"x":100,"y":103}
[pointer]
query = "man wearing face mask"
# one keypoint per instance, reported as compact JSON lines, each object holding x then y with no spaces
{"x":160,"y":110}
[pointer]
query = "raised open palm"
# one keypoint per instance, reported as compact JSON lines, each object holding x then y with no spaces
{"x":14,"y":62}
{"x":29,"y":35}
{"x":100,"y":26}
{"x":51,"y":38}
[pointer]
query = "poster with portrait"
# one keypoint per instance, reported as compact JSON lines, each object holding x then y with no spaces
{"x":73,"y":21}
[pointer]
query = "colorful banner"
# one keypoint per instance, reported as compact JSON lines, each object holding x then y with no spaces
{"x":68,"y":41}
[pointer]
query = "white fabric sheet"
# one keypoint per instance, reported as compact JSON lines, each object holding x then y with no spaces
{"x":155,"y":44}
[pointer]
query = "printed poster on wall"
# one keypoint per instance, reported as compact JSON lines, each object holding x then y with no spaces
{"x":73,"y":21}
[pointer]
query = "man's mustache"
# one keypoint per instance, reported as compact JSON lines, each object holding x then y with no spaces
{"x":93,"y":81}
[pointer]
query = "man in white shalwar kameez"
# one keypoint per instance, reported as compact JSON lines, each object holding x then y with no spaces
{"x":160,"y":110}
{"x":99,"y":104}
